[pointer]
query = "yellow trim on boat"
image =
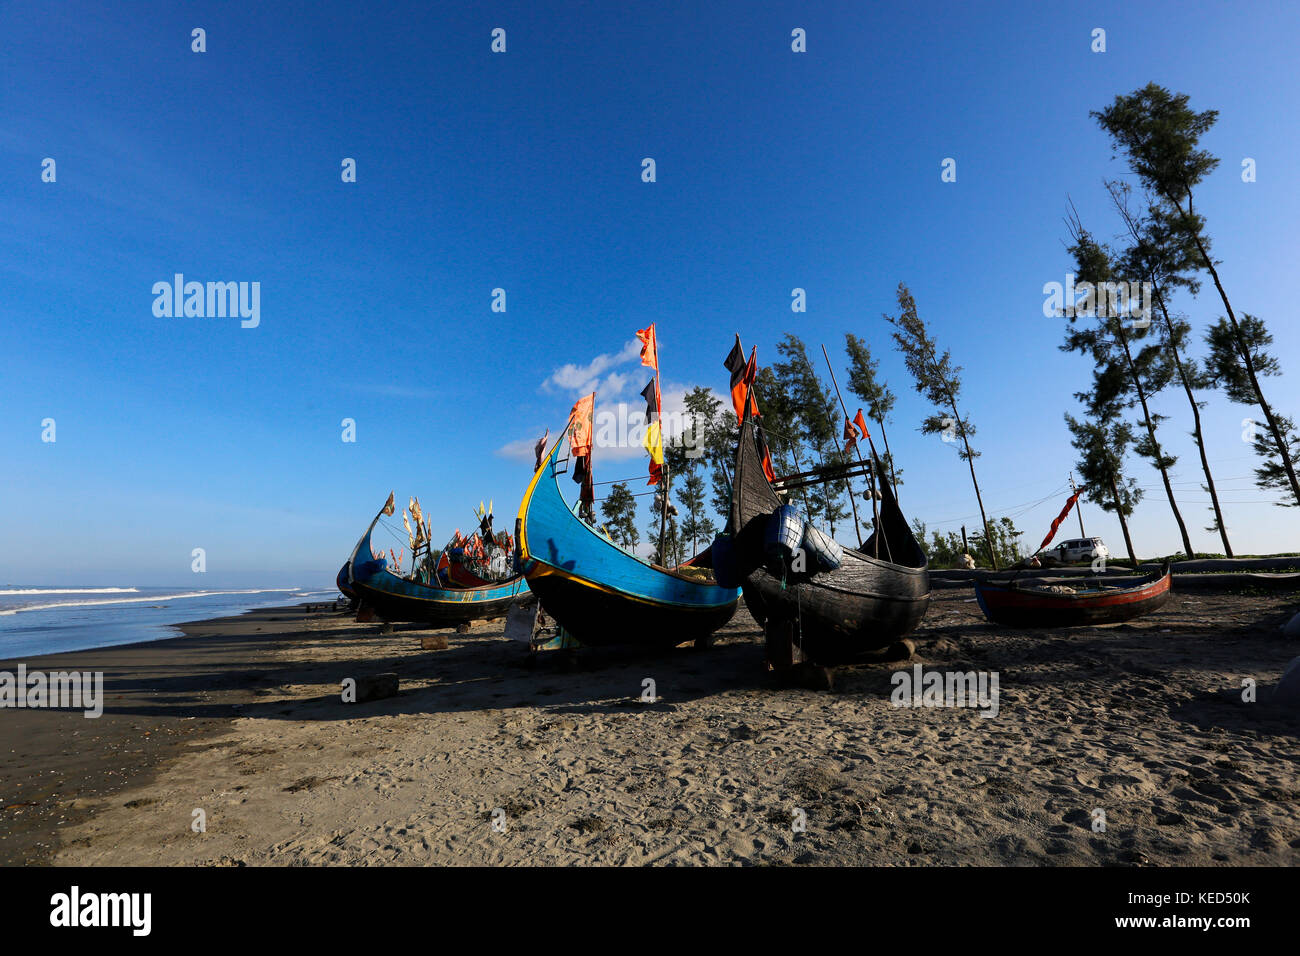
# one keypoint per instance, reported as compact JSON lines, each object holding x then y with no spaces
{"x":528,"y":495}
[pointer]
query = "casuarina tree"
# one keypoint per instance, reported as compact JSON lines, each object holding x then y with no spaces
{"x":939,"y":380}
{"x":1159,"y":133}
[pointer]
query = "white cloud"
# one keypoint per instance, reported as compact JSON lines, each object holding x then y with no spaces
{"x":619,"y":428}
{"x":521,"y":449}
{"x":584,"y":379}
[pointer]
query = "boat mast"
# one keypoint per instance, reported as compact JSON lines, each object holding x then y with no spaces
{"x":875,"y":509}
{"x":665,"y":478}
{"x":1077,"y":509}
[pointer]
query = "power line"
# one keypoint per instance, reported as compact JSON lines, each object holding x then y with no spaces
{"x":1009,"y":511}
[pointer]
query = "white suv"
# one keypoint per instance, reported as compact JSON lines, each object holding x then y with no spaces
{"x":1076,"y":549}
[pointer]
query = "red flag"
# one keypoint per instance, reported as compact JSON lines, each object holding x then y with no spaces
{"x":1059,"y":518}
{"x":861,"y":424}
{"x":751,"y":373}
{"x":850,"y":436}
{"x":742,"y":378}
{"x":767,"y":463}
{"x":649,"y":347}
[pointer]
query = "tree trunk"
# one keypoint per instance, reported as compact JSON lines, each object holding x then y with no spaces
{"x":1129,"y":221}
{"x":1244,"y":351}
{"x":988,"y":532}
{"x":970,"y":460}
{"x":1155,"y":445}
{"x":1196,"y":427}
{"x":1123,"y":524}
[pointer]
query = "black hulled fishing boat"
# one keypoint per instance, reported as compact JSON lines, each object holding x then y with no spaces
{"x":876,"y":596}
{"x":818,"y":601}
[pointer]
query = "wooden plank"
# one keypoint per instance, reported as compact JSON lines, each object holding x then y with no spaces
{"x":821,"y":476}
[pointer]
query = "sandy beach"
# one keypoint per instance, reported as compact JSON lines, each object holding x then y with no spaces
{"x":484,"y":759}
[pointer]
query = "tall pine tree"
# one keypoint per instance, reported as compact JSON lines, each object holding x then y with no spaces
{"x":939,"y":380}
{"x":1159,"y":134}
{"x":1132,"y":366}
{"x":619,"y":511}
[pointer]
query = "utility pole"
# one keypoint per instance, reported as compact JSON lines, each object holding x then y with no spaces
{"x":1077,"y":509}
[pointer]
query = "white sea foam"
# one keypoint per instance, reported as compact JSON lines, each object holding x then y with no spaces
{"x":153,"y":598}
{"x":70,"y":591}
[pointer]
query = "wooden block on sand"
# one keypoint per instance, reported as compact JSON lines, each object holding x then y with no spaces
{"x":782,"y":652}
{"x":376,"y":687}
{"x":434,"y":642}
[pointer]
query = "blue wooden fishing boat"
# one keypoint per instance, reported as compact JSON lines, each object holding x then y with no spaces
{"x":600,"y":593}
{"x":341,"y":581}
{"x":395,"y":598}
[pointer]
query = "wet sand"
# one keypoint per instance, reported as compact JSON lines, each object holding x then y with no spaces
{"x":243,"y":720}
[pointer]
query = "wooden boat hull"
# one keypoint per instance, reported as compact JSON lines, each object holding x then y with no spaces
{"x":1014,"y":606}
{"x":600,"y":593}
{"x":595,"y":617}
{"x":866,"y":604}
{"x":396,"y":599}
{"x":343,"y":584}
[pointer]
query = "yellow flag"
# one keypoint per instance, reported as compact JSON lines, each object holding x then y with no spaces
{"x":653,"y":443}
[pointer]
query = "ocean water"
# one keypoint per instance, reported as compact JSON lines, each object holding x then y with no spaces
{"x":47,"y":620}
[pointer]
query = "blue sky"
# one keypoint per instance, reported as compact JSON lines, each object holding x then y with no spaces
{"x":522,"y":171}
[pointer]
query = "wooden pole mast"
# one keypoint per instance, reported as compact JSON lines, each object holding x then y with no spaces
{"x":875,"y":509}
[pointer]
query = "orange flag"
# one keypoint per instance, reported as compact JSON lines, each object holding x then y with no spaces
{"x":649,"y":347}
{"x":580,"y":425}
{"x":861,"y":423}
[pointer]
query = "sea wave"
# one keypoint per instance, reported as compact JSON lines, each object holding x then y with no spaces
{"x":136,"y":600}
{"x":70,"y":591}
